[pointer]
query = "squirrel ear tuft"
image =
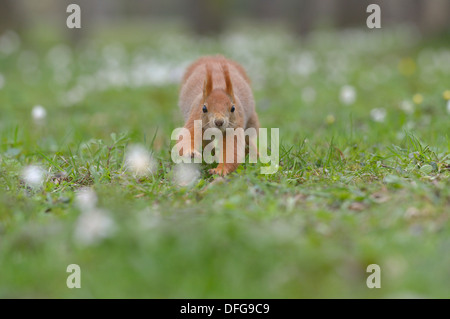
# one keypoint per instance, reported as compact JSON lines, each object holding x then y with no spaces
{"x":229,"y":86}
{"x":207,"y":84}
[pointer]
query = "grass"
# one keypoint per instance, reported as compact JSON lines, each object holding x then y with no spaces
{"x":352,"y":189}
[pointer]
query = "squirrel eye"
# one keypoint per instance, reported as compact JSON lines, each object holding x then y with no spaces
{"x":205,"y":109}
{"x":232,"y":108}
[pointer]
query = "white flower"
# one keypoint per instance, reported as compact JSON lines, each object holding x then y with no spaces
{"x":9,"y":42}
{"x":139,"y":160}
{"x":348,"y":94}
{"x":2,"y":81}
{"x":59,"y":57}
{"x":407,"y":107}
{"x":74,"y":95}
{"x":186,"y":174}
{"x":410,"y":125}
{"x":33,"y":176}
{"x":38,"y":113}
{"x":305,"y":64}
{"x":86,"y":199}
{"x":148,"y":218}
{"x":378,"y":114}
{"x":448,"y":106}
{"x":308,"y":94}
{"x":400,"y":135}
{"x":93,"y":226}
{"x":28,"y":62}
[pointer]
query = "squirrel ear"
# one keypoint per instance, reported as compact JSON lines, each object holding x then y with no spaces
{"x":207,"y":84}
{"x":229,"y":86}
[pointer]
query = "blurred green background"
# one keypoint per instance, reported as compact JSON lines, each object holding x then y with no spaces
{"x":363,"y":175}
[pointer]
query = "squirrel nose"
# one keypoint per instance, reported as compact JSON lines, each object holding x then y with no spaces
{"x":218,"y":122}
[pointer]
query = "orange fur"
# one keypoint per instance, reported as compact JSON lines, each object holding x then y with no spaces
{"x":218,"y":84}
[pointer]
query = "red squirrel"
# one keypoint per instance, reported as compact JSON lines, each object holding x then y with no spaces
{"x":216,"y":91}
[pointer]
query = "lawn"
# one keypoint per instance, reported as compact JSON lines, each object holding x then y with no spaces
{"x":363,"y":177}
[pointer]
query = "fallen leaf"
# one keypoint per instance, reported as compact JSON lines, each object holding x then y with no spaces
{"x":380,"y":197}
{"x":357,"y":206}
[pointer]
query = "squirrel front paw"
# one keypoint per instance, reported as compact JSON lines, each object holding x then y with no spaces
{"x":194,"y":154}
{"x":185,"y":150}
{"x":219,"y":170}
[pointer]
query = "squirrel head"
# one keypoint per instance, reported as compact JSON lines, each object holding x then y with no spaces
{"x":218,"y":105}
